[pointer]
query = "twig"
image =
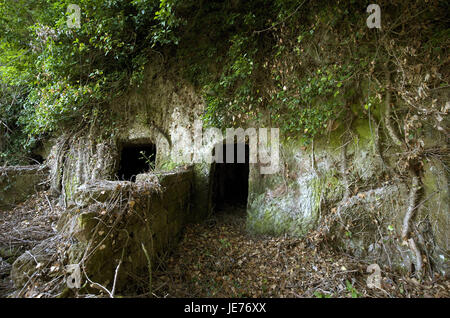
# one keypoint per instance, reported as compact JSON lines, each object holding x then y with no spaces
{"x":113,"y":291}
{"x":48,"y":201}
{"x":282,"y":21}
{"x":418,"y":256}
{"x":149,"y":268}
{"x":387,"y":112}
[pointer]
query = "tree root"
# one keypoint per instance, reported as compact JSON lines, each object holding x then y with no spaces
{"x":418,"y":257}
{"x":413,"y":196}
{"x":343,"y":171}
{"x":415,"y":180}
{"x":387,"y":113}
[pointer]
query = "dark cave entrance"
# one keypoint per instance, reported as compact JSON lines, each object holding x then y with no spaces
{"x":230,"y":181}
{"x":36,"y":159}
{"x":136,"y":159}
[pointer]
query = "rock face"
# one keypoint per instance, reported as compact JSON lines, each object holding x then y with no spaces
{"x":117,"y":221}
{"x":133,"y":224}
{"x":152,"y":114}
{"x":19,"y":182}
{"x":340,"y":187}
{"x":26,"y":265}
{"x":435,"y":210}
{"x":312,"y":177}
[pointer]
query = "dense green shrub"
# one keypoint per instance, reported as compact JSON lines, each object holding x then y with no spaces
{"x":293,"y":64}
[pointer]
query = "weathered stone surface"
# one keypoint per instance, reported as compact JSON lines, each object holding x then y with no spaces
{"x":29,"y":262}
{"x":366,"y":226}
{"x":99,"y":191}
{"x":19,"y":182}
{"x":86,"y":160}
{"x":314,"y":182}
{"x":435,"y":213}
{"x":5,"y":268}
{"x":290,"y":201}
{"x":117,"y":220}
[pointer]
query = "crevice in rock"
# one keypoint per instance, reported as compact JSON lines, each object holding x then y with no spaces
{"x":136,"y":159}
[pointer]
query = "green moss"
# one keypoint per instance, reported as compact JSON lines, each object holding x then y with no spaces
{"x":325,"y":188}
{"x":364,"y":130}
{"x":167,"y":165}
{"x":86,"y":223}
{"x":70,"y":187}
{"x":272,"y":222}
{"x":332,"y":141}
{"x":435,"y":184}
{"x":329,"y":186}
{"x":275,"y":216}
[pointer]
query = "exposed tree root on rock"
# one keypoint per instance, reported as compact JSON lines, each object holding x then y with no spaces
{"x":415,"y":179}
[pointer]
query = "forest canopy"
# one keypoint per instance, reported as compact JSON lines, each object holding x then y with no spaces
{"x":291,"y":63}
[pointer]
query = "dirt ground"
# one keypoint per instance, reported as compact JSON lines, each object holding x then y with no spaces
{"x":220,"y":259}
{"x":21,"y":229}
